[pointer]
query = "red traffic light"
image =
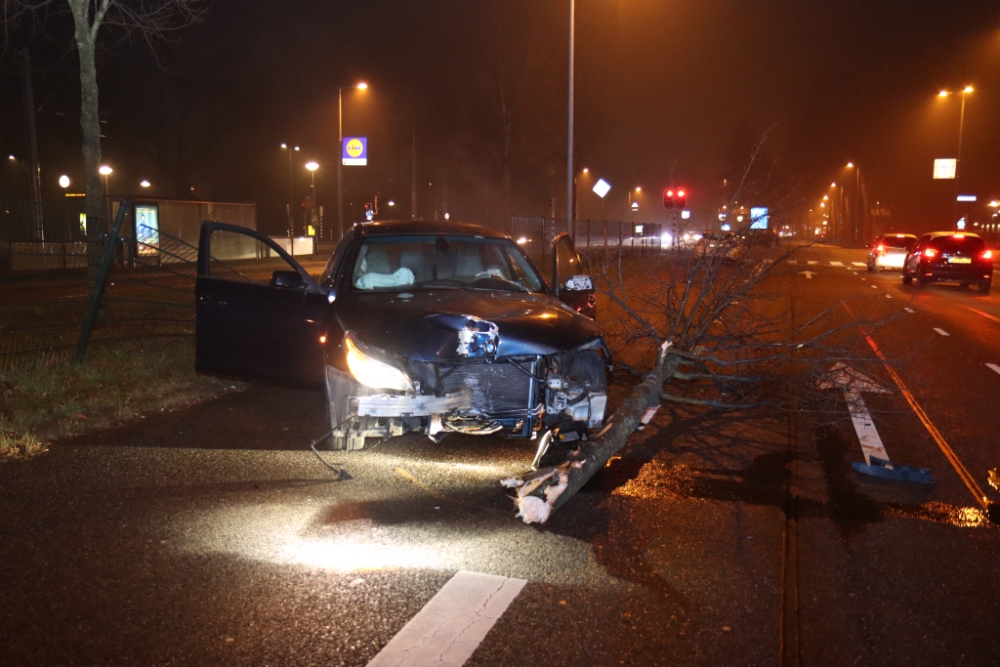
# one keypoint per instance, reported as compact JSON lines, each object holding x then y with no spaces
{"x":680,"y":201}
{"x":668,"y":198}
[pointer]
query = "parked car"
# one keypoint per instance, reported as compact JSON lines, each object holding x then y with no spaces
{"x":412,"y":327}
{"x":889,"y":251}
{"x":953,"y":256}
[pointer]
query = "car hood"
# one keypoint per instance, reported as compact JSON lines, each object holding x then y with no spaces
{"x":450,"y":325}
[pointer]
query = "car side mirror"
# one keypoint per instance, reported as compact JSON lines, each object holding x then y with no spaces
{"x":579,"y":284}
{"x":286,"y":279}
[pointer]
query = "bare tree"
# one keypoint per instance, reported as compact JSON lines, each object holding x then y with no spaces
{"x":709,"y":327}
{"x":151,"y":21}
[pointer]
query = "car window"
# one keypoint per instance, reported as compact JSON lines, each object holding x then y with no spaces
{"x":900,"y":242}
{"x":957,"y":243}
{"x":242,"y":258}
{"x":568,"y":261}
{"x":420,"y":262}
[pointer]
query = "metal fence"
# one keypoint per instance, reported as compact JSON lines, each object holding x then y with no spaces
{"x":68,"y":292}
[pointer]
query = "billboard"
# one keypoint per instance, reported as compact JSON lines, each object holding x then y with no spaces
{"x":355,"y":151}
{"x":758,"y":217}
{"x":147,"y":229}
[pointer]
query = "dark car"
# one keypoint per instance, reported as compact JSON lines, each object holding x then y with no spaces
{"x":412,"y":326}
{"x":889,"y":251}
{"x":952,"y":256}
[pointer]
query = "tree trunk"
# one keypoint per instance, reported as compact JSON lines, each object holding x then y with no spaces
{"x":543,"y":492}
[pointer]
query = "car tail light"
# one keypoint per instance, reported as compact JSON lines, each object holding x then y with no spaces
{"x":930,"y":252}
{"x":988,"y":254}
{"x":880,"y":249}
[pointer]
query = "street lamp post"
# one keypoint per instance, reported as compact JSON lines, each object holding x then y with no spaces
{"x":569,"y":149}
{"x":312,"y":167}
{"x":858,"y":207}
{"x":958,"y":157}
{"x":340,"y":152}
{"x":291,"y":188}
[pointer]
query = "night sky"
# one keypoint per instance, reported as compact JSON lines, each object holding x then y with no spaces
{"x":667,"y":92}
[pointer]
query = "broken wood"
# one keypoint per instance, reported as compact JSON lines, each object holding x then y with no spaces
{"x":542,"y":492}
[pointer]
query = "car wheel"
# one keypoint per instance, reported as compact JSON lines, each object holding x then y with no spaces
{"x":984,"y":285}
{"x":871,"y":267}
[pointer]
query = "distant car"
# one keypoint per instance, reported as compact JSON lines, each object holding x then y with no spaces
{"x":950,"y":256}
{"x":412,"y":327}
{"x":889,"y":251}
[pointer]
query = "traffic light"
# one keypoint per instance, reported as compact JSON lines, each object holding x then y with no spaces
{"x":668,"y":198}
{"x":369,"y":213}
{"x":680,"y":199}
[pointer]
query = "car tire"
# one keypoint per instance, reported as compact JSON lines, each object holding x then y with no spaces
{"x":871,"y":267}
{"x":984,"y":285}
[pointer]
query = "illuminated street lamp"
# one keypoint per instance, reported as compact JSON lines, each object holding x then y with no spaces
{"x":961,"y":127}
{"x":144,"y":183}
{"x":105,"y":171}
{"x":340,"y":150}
{"x":312,"y":167}
{"x":858,"y":208}
{"x":64,"y":181}
{"x":291,"y":186}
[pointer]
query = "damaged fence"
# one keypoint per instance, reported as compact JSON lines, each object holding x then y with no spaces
{"x":64,"y":291}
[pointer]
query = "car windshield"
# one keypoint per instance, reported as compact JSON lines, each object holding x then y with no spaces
{"x":423,"y":261}
{"x":957,"y":244}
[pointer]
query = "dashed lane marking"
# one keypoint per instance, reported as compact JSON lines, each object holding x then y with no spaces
{"x":874,"y":286}
{"x":813,"y":261}
{"x":450,"y":627}
{"x":942,"y":332}
{"x":834,"y":263}
{"x":861,"y":264}
{"x":994,"y":368}
{"x":979,"y":312}
{"x":909,"y":310}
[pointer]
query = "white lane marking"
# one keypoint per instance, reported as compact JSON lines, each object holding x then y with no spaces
{"x":942,"y":332}
{"x":832,"y":263}
{"x":874,"y":286}
{"x":909,"y":310}
{"x":888,"y":296}
{"x":808,"y":274}
{"x":979,"y":312}
{"x":994,"y":368}
{"x":793,"y":261}
{"x":451,"y":626}
{"x":853,"y":382}
{"x":813,"y":261}
{"x":861,"y":264}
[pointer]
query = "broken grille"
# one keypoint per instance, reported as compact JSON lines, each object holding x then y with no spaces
{"x":499,"y":389}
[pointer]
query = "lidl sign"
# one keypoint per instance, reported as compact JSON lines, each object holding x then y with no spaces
{"x":355,"y":151}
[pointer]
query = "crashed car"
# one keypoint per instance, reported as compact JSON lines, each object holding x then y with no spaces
{"x":412,"y":327}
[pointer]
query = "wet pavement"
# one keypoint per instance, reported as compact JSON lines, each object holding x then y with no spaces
{"x":212,"y":536}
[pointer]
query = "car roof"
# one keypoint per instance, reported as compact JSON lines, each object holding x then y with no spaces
{"x":396,"y":227}
{"x":899,"y":235}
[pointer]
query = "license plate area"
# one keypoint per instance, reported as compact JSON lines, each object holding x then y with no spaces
{"x":959,"y":260}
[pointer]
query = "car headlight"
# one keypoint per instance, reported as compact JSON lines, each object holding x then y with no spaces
{"x":374,"y":373}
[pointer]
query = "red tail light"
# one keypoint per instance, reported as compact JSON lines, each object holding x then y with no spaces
{"x":988,"y":254}
{"x":930,"y":253}
{"x":880,"y":249}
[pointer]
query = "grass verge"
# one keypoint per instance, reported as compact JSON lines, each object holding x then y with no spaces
{"x":45,"y":402}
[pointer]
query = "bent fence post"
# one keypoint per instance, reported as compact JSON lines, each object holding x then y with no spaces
{"x":97,"y":294}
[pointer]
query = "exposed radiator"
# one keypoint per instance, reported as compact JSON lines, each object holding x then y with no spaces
{"x":498,"y":389}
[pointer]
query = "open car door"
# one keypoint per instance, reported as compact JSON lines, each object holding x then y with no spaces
{"x":574,"y":288}
{"x":258,"y":313}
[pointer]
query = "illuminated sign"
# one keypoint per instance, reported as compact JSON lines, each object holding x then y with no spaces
{"x":147,"y":229}
{"x":945,"y":168}
{"x":602,"y":187}
{"x":758,"y":217}
{"x":966,"y":197}
{"x":355,"y":151}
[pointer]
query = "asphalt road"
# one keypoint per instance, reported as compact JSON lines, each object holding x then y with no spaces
{"x":212,"y":536}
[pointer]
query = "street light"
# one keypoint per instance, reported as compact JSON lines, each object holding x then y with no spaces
{"x":105,"y":171}
{"x":312,"y":167}
{"x":569,"y":150}
{"x":144,"y":183}
{"x":958,"y":157}
{"x":64,"y":181}
{"x":340,"y":150}
{"x":858,"y":208}
{"x":291,"y":186}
